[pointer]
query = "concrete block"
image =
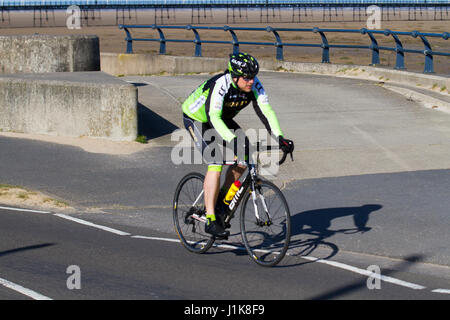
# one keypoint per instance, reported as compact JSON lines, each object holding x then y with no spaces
{"x":49,"y":53}
{"x":76,"y":104}
{"x":147,"y":64}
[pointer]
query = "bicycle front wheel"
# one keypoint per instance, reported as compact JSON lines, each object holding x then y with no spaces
{"x":189,"y":214}
{"x":266,"y":224}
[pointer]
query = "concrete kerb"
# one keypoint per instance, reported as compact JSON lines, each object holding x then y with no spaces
{"x":151,"y":64}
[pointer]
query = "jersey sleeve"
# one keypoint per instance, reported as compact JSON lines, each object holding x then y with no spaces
{"x":264,"y":110}
{"x":215,"y":108}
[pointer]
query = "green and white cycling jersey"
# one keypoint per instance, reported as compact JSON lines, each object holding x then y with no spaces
{"x":219,"y":99}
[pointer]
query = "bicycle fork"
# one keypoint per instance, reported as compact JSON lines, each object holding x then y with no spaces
{"x":255,"y":195}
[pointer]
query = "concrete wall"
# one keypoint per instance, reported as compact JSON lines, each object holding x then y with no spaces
{"x":147,"y":64}
{"x":49,"y":53}
{"x":77,"y":104}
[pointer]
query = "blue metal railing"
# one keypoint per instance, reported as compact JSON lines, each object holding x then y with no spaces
{"x":279,"y":44}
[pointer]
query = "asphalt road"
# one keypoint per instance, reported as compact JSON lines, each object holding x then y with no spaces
{"x":369,"y":186}
{"x":37,"y":250}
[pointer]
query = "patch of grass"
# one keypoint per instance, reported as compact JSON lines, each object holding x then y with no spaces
{"x":281,"y":69}
{"x":57,"y":203}
{"x":7,"y":186}
{"x":23,"y":196}
{"x":142,"y":139}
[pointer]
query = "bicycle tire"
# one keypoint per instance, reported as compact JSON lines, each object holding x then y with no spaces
{"x":191,"y":231}
{"x":266,"y":244}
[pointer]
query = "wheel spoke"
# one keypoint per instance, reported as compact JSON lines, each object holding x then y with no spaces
{"x":188,"y":212}
{"x":266,"y":242}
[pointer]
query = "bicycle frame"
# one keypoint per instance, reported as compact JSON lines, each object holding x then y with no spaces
{"x":250,"y":181}
{"x":187,"y":219}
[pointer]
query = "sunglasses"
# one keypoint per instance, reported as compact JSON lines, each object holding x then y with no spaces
{"x":247,"y":79}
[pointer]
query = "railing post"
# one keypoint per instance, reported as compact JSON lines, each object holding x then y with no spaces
{"x":128,"y":39}
{"x":400,"y":57}
{"x":278,"y":44}
{"x":162,"y":39}
{"x":428,"y":67}
{"x":197,"y":41}
{"x":235,"y":39}
{"x":325,"y":47}
{"x":374,"y":47}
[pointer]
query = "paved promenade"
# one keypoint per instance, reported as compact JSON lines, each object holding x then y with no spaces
{"x":371,"y":170}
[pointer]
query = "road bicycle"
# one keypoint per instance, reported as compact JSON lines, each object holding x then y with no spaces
{"x":265,"y":221}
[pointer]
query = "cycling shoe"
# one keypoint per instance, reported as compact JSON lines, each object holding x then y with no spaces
{"x":215,"y":229}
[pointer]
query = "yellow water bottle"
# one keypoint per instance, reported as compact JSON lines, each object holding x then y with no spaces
{"x":231,"y":192}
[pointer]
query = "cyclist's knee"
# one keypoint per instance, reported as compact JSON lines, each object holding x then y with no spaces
{"x":239,"y":167}
{"x":242,"y":166}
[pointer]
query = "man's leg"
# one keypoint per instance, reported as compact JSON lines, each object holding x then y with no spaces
{"x":211,"y":189}
{"x":234,"y":172}
{"x":212,"y":177}
{"x":241,"y":151}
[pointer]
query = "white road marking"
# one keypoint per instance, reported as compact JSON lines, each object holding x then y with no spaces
{"x":447,"y":291}
{"x":156,"y":238}
{"x":90,"y":224}
{"x":222,"y":246}
{"x":367,"y":273}
{"x":29,"y":293}
{"x":226,"y":246}
{"x":331,"y":263}
{"x":24,"y":210}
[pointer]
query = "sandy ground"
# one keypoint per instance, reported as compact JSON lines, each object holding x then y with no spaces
{"x":17,"y":196}
{"x":104,"y":24}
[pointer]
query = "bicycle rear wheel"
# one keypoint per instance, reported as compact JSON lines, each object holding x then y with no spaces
{"x":189,"y":214}
{"x":266,"y":238}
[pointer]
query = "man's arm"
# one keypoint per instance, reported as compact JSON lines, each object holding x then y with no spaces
{"x":264,"y":110}
{"x":215,"y":108}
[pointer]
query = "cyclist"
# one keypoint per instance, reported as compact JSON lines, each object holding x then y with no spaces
{"x":213,"y":105}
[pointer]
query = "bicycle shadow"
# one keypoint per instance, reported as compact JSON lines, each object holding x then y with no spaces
{"x":317,"y":223}
{"x":316,"y":226}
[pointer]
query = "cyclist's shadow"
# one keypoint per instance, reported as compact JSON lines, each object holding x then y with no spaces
{"x":317,"y":223}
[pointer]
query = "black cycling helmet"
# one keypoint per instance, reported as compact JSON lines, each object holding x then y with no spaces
{"x":243,"y":65}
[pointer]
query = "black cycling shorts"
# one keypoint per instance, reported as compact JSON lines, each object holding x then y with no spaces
{"x":208,"y":141}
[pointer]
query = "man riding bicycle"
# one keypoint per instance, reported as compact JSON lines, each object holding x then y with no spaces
{"x":213,"y":105}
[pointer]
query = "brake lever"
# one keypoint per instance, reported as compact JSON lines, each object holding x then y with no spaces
{"x":283,"y":158}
